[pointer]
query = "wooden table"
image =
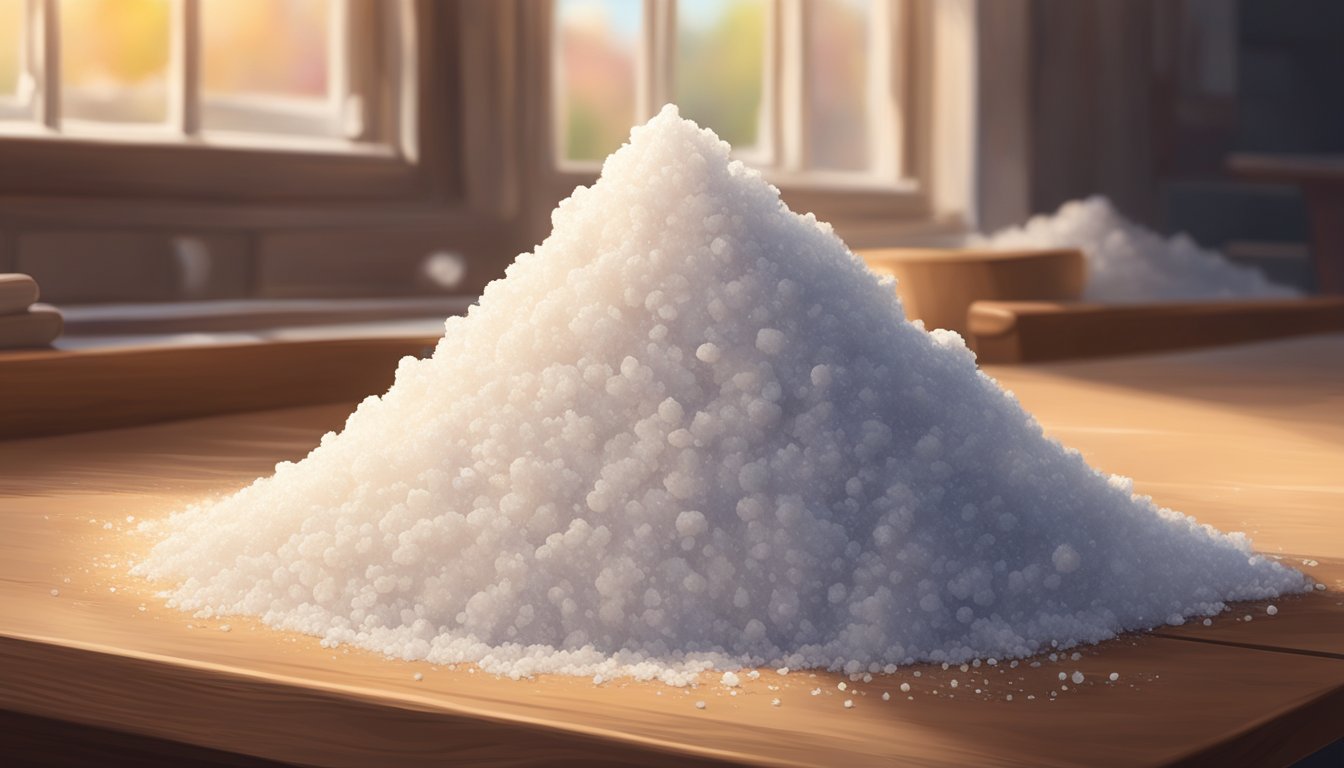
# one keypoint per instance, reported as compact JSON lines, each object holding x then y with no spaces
{"x":1247,"y":438}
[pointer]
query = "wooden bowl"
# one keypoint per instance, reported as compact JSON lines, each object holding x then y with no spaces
{"x":938,"y":285}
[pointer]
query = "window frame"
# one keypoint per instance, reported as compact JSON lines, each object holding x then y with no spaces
{"x":933,"y":78}
{"x":183,"y":162}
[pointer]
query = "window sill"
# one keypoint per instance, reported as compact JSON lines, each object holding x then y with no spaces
{"x":165,"y":137}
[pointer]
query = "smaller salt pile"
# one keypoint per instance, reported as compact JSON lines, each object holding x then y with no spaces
{"x":692,"y":430}
{"x":1128,"y":263}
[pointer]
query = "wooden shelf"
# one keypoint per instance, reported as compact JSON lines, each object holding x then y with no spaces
{"x":50,"y":392}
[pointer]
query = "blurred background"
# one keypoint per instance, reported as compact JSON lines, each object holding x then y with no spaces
{"x":167,"y":151}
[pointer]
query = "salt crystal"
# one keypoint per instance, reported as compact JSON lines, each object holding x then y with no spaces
{"x":418,"y":676}
{"x":1114,"y":676}
{"x":1077,"y":678}
{"x":841,"y":685}
{"x":886,"y":695}
{"x":905,"y":687}
{"x":849,"y":703}
{"x":775,"y":702}
{"x":643,"y":454}
{"x":729,"y":679}
{"x":782,"y":671}
{"x":699,"y":705}
{"x":1272,"y":610}
{"x":55,"y":593}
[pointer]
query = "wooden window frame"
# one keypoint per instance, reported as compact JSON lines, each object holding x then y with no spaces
{"x":474,"y":170}
{"x":183,"y":163}
{"x":926,"y":190}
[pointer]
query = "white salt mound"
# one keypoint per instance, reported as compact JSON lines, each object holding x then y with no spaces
{"x":1130,"y":263}
{"x":692,"y":430}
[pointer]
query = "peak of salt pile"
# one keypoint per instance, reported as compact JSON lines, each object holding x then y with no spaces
{"x":691,"y":430}
{"x":1128,"y":263}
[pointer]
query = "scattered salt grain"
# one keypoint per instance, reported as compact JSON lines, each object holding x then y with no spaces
{"x":775,"y":702}
{"x":886,"y":695}
{"x":418,"y":676}
{"x":905,"y":687}
{"x":55,"y":593}
{"x":730,"y":679}
{"x":849,"y":703}
{"x":1272,"y":610}
{"x":1114,"y":676}
{"x":699,"y":705}
{"x":841,"y":685}
{"x":1077,"y":678}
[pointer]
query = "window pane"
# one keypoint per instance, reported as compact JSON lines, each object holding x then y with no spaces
{"x":599,"y":45}
{"x":721,"y":66}
{"x":114,"y":60}
{"x":837,"y":83}
{"x":273,"y":47}
{"x":282,"y":85}
{"x":11,"y":46}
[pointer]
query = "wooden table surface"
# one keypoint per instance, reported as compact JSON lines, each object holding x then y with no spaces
{"x":1247,"y":438}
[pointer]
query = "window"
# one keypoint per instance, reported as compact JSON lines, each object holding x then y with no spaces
{"x":809,"y":90}
{"x":171,"y":70}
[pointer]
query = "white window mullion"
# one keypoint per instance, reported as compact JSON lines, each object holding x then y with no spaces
{"x":653,"y":76}
{"x":347,"y":108}
{"x":884,"y":100}
{"x":185,"y":63}
{"x":792,"y":90}
{"x":768,"y":119}
{"x":44,"y":30}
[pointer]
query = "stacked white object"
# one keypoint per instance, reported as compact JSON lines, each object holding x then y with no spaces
{"x":692,"y":430}
{"x":24,"y":322}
